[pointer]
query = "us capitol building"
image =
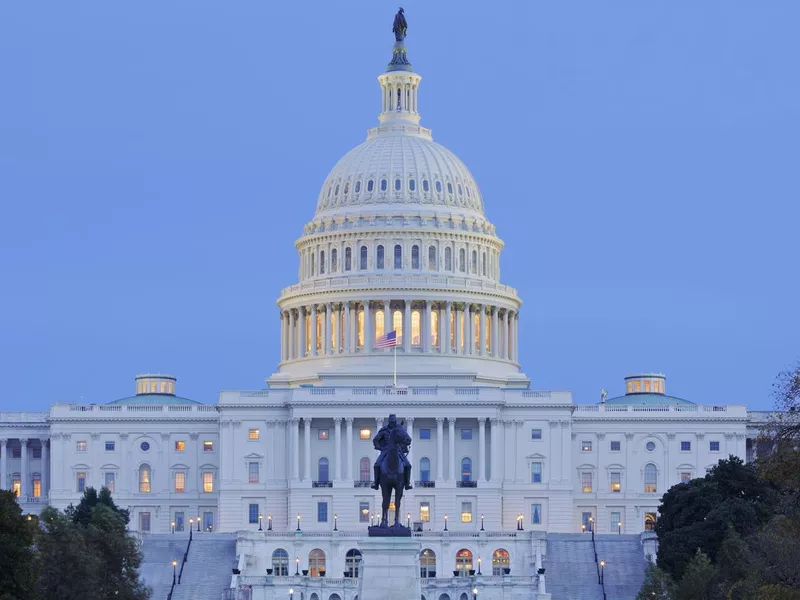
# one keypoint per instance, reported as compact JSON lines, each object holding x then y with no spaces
{"x":400,"y":241}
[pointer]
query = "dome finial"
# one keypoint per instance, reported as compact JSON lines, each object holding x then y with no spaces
{"x":399,"y":61}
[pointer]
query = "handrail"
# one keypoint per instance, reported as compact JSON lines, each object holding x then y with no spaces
{"x":185,"y":557}
{"x":600,"y":576}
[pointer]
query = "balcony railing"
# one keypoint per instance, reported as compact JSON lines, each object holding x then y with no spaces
{"x":425,"y":484}
{"x":361,"y":484}
{"x":467,"y":484}
{"x":322,"y":484}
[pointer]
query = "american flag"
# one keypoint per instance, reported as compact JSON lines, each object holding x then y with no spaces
{"x":388,"y":340}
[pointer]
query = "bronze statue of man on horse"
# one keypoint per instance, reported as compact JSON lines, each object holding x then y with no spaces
{"x":392,"y":469}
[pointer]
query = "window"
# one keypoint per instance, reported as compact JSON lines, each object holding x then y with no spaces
{"x":500,"y":561}
{"x":427,"y":563}
{"x":466,"y":434}
{"x":650,"y":479}
{"x":425,"y":512}
{"x":649,"y":521}
{"x":416,"y":325}
{"x":348,"y":258}
{"x":208,"y":520}
{"x":280,"y":562}
{"x":37,"y":453}
{"x":616,"y":445}
{"x":449,"y":188}
{"x":37,"y":485}
{"x":460,"y":190}
{"x":483,"y":264}
{"x":144,"y":521}
{"x":384,"y":185}
{"x":335,"y":252}
{"x":358,"y":186}
{"x":360,"y":329}
{"x":322,"y":512}
{"x":432,"y":258}
{"x":80,"y":446}
{"x":253,"y":434}
{"x":322,"y":434}
{"x":686,"y":446}
{"x":536,"y":514}
{"x":110,"y":446}
{"x":380,"y":324}
{"x":322,"y":256}
{"x":208,"y":482}
{"x":16,"y":483}
{"x":108,"y":481}
{"x":363,"y":512}
{"x":363,"y":258}
{"x":180,"y":482}
{"x":412,"y":185}
{"x":379,"y":258}
{"x":616,"y":521}
{"x":616,"y":481}
{"x":252,"y":513}
{"x":398,"y":257}
{"x":474,"y":266}
{"x":462,"y":261}
{"x":463,"y":562}
{"x":536,"y":434}
{"x":144,"y":479}
{"x":448,"y":259}
{"x":713,"y":446}
{"x":364,"y":470}
{"x":685,"y":476}
{"x":352,"y":559}
{"x":370,"y":185}
{"x":145,"y":446}
{"x":466,"y":512}
{"x":466,"y":469}
{"x":252,"y":472}
{"x":424,"y":469}
{"x":322,"y":471}
{"x":650,"y":446}
{"x":536,"y":472}
{"x":415,"y":257}
{"x":398,"y":185}
{"x":397,"y":325}
{"x":179,"y":521}
{"x":314,"y":261}
{"x":365,"y":434}
{"x":316,"y":558}
{"x":426,"y":186}
{"x":208,"y":446}
{"x":425,"y":433}
{"x":439,"y":187}
{"x":586,"y":482}
{"x":180,"y":446}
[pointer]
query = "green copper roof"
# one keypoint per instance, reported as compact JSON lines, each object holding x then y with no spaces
{"x":155,"y":399}
{"x":647,"y":399}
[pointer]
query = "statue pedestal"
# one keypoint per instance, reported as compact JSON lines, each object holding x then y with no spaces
{"x":389,"y":569}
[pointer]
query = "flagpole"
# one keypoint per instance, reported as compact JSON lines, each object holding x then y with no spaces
{"x":395,"y":363}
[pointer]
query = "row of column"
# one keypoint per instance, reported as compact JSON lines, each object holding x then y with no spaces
{"x":399,"y":97}
{"x":481,"y":471}
{"x":349,"y":327}
{"x":26,"y":481}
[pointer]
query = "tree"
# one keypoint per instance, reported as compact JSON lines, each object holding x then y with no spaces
{"x":17,"y":564}
{"x":698,"y":581}
{"x":657,"y":584}
{"x":786,"y":390}
{"x":83,"y":512}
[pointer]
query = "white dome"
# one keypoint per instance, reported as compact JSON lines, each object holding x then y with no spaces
{"x":426,"y":173}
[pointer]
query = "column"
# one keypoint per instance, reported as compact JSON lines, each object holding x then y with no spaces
{"x":337,"y":437}
{"x":45,"y":468}
{"x":24,"y":484}
{"x":482,"y":337}
{"x":440,"y":449}
{"x":444,"y":340}
{"x":496,"y":450}
{"x":307,"y":431}
{"x":388,"y":325}
{"x":495,"y":333}
{"x":410,"y":430}
{"x":508,"y":462}
{"x":457,"y":325}
{"x":505,"y":335}
{"x":517,"y":440}
{"x":469,"y":343}
{"x":3,"y":464}
{"x":407,"y":327}
{"x":313,"y":330}
{"x":283,"y":336}
{"x":296,"y":444}
{"x":348,"y":472}
{"x":426,"y":327}
{"x":347,"y":334}
{"x":292,"y":335}
{"x":369,"y":338}
{"x":482,"y":447}
{"x":301,"y":317}
{"x":269,"y":448}
{"x":447,"y":316}
{"x":555,"y":467}
{"x":516,"y":337}
{"x":451,"y":430}
{"x":328,"y":343}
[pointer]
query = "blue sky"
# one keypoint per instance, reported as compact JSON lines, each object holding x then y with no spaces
{"x":158,"y":160}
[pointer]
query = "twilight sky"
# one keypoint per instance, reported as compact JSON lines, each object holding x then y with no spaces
{"x":159,"y":159}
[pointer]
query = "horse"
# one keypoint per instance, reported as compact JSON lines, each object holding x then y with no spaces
{"x":391,"y":479}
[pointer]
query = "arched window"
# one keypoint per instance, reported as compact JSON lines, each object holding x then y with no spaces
{"x":334,"y":330}
{"x":370,"y":185}
{"x":360,"y":332}
{"x":363,"y":262}
{"x":144,"y":479}
{"x":462,"y":260}
{"x":364,"y":470}
{"x":358,"y":187}
{"x":313,"y":264}
{"x":483,"y":264}
{"x":448,"y":259}
{"x":460,"y":190}
{"x":334,"y":260}
{"x":380,"y":324}
{"x":352,"y":561}
{"x":280,"y":563}
{"x":432,"y":258}
{"x":463,"y":562}
{"x":435,"y":328}
{"x":474,"y":262}
{"x":444,"y":597}
{"x":426,"y":186}
{"x":476,"y":328}
{"x":347,"y":188}
{"x":439,"y":187}
{"x":398,"y":185}
{"x":348,"y":259}
{"x":323,"y":469}
{"x":383,"y":185}
{"x":650,"y":479}
{"x":449,"y":187}
{"x":398,"y":257}
{"x":412,"y":185}
{"x":379,"y":257}
{"x":415,"y":328}
{"x":463,"y":596}
{"x":500,"y":560}
{"x":335,"y":597}
{"x":424,"y":469}
{"x":316,"y":562}
{"x":322,"y":262}
{"x":466,"y":469}
{"x":320,"y":328}
{"x":427,"y":563}
{"x":415,"y":257}
{"x":397,"y":325}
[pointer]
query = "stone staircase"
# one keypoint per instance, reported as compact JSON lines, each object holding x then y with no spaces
{"x":158,"y":552}
{"x":570,"y":568}
{"x":208,"y":569}
{"x":625,"y":565}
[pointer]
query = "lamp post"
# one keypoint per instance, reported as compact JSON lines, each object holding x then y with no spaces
{"x":619,"y":527}
{"x":482,"y":522}
{"x":269,"y":522}
{"x":519,"y":522}
{"x":297,"y":566}
{"x":371,"y":519}
{"x":408,"y":520}
{"x":291,"y":593}
{"x":172,"y":526}
{"x":583,"y":528}
{"x":259,"y":522}
{"x":335,"y":520}
{"x":479,"y":565}
{"x":191,"y":528}
{"x":174,"y":565}
{"x":591,"y":526}
{"x":298,"y":522}
{"x":198,"y":523}
{"x":602,"y":570}
{"x":474,"y":593}
{"x":445,"y":522}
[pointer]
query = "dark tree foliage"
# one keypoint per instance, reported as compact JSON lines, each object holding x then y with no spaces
{"x":657,"y":584}
{"x":698,"y":581}
{"x":786,"y":390}
{"x":17,"y":554}
{"x":83,"y":512}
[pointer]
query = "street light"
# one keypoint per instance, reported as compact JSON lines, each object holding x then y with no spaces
{"x":297,"y":566}
{"x":482,"y":522}
{"x":591,"y":526}
{"x":291,"y":593}
{"x":269,"y":522}
{"x":602,"y":568}
{"x":174,"y":565}
{"x":335,"y":520}
{"x":479,"y":565}
{"x":519,"y":522}
{"x":298,"y":522}
{"x":408,"y":520}
{"x":619,"y":527}
{"x":172,"y":525}
{"x":259,"y":522}
{"x":198,"y":523}
{"x":474,"y":593}
{"x":583,"y":528}
{"x":445,"y":522}
{"x":191,"y":528}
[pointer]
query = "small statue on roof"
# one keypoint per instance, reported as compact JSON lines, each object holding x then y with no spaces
{"x":400,"y":26}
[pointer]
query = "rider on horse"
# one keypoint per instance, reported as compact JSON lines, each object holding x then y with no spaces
{"x":382,"y":441}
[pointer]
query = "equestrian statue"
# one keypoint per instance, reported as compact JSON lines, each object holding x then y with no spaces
{"x":392,"y":469}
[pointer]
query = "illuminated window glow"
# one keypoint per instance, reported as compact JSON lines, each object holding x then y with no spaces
{"x":365,"y":434}
{"x":144,"y":479}
{"x":208,"y":482}
{"x":180,"y":482}
{"x":253,"y":434}
{"x":397,"y":325}
{"x":616,"y":481}
{"x":416,"y":335}
{"x":180,"y":446}
{"x":435,"y":328}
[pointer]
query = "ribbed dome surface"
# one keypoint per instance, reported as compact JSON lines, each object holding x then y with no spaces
{"x":401,"y":170}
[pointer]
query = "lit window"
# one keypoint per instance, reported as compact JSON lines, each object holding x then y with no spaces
{"x":322,"y":512}
{"x":208,"y":446}
{"x":363,"y":512}
{"x":252,"y":513}
{"x":208,"y":482}
{"x":637,"y":385}
{"x":415,"y":328}
{"x":435,"y":328}
{"x":110,"y":446}
{"x":110,"y":480}
{"x":713,"y":446}
{"x":536,"y":514}
{"x":649,"y":521}
{"x":144,"y":479}
{"x":464,"y":562}
{"x":252,"y":472}
{"x":425,"y":433}
{"x":685,"y":477}
{"x":360,"y":332}
{"x":586,"y":482}
{"x":180,"y":446}
{"x":322,"y":434}
{"x":536,"y":472}
{"x":466,"y":512}
{"x":253,"y":434}
{"x":425,"y":512}
{"x":180,"y":482}
{"x":646,"y":385}
{"x":616,"y":481}
{"x":380,"y":324}
{"x":615,"y":445}
{"x":476,"y":328}
{"x":316,"y":562}
{"x":80,"y":446}
{"x":81,"y":476}
{"x":365,"y":434}
{"x":630,"y":387}
{"x":37,"y":485}
{"x":397,"y":325}
{"x":536,"y":434}
{"x":501,"y":561}
{"x":586,"y":446}
{"x":650,"y":479}
{"x":686,"y":446}
{"x":650,"y":446}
